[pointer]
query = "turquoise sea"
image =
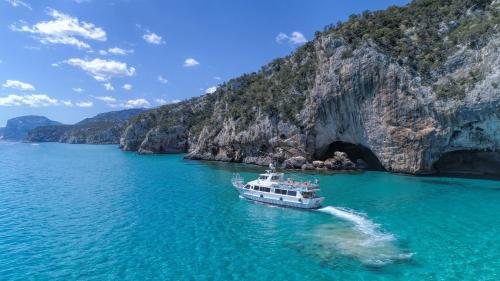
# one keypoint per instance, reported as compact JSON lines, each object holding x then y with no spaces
{"x":82,"y":212}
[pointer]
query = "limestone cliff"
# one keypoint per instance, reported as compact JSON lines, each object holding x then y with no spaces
{"x":405,"y":90}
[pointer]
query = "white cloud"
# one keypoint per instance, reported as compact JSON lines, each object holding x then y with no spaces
{"x":295,"y":38}
{"x":176,"y":101}
{"x":102,"y":70}
{"x":106,"y":99}
{"x":127,"y":87}
{"x":78,"y":90}
{"x":18,"y":85}
{"x":64,"y":29}
{"x":152,"y":38}
{"x":108,"y":87}
{"x":116,"y":51}
{"x":67,"y":103}
{"x":119,"y":51}
{"x":161,"y":101}
{"x":84,"y":104}
{"x":114,"y":103}
{"x":36,"y":100}
{"x":211,"y":90}
{"x":19,"y":3}
{"x":137,"y":103}
{"x":190,"y":62}
{"x":217,"y":78}
{"x":162,"y":79}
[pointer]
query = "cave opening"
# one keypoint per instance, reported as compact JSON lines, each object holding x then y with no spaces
{"x":473,"y":163}
{"x":355,"y":152}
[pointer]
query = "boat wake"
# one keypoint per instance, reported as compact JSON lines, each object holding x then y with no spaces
{"x":361,"y":223}
{"x":361,"y":238}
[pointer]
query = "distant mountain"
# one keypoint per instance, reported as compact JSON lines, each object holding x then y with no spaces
{"x":17,"y":128}
{"x":104,"y":128}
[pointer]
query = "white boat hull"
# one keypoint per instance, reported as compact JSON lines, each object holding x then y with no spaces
{"x":281,"y":200}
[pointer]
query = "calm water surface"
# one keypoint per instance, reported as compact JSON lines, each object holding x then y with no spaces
{"x":80,"y":212}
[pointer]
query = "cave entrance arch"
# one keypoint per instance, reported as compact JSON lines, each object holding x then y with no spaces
{"x":355,"y":152}
{"x":469,"y":163}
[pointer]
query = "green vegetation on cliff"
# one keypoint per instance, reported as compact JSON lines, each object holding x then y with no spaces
{"x":406,"y":57}
{"x":419,"y":36}
{"x":423,"y":33}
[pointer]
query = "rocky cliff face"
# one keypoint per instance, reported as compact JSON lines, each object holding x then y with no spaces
{"x":17,"y":128}
{"x":403,"y":111}
{"x":104,"y":128}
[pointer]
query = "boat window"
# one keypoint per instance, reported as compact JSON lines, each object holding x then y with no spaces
{"x":265,"y":189}
{"x":277,"y":191}
{"x":307,"y":194}
{"x":275,"y":178}
{"x":263,"y":178}
{"x":292,"y":193}
{"x":256,"y":187}
{"x":247,"y":186}
{"x":283,"y":191}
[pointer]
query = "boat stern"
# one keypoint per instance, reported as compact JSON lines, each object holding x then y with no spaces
{"x":237,"y":181}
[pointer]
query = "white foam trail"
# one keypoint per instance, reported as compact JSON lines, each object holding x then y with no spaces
{"x":366,"y":241}
{"x":361,"y":222}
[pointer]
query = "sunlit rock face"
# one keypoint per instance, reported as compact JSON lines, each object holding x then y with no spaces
{"x":330,"y":96}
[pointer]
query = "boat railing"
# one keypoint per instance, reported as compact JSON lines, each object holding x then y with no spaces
{"x":300,"y":186}
{"x":237,"y":180}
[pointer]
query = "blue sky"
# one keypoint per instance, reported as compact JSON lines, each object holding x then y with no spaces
{"x":71,"y":59}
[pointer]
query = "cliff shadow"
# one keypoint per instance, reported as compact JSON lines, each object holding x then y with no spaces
{"x":355,"y":152}
{"x":469,"y":163}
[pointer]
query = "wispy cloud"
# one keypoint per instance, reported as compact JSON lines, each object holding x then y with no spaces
{"x":84,"y":104}
{"x":127,"y":87}
{"x":18,"y":85}
{"x":137,"y":103}
{"x":189,"y":62}
{"x":35,"y":100}
{"x":106,"y":99}
{"x":116,"y":51}
{"x":161,"y":101}
{"x":162,"y":79}
{"x":295,"y":38}
{"x":115,"y":103}
{"x":63,"y":29}
{"x":78,"y":90}
{"x":108,"y":87}
{"x":153,"y":38}
{"x":19,"y":3}
{"x":211,"y":90}
{"x":102,"y":70}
